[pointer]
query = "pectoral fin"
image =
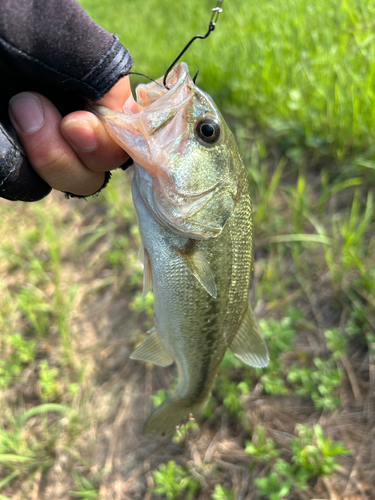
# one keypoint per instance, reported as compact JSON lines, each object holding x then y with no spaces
{"x":147,"y":270}
{"x":141,"y":254}
{"x":199,"y":267}
{"x":249,"y":344}
{"x":147,"y":275}
{"x":152,"y":350}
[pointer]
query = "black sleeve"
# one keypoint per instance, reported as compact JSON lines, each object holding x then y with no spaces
{"x":52,"y":47}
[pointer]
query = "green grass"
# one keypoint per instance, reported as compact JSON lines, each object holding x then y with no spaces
{"x":305,"y":70}
{"x":296,"y":81}
{"x":313,"y":455}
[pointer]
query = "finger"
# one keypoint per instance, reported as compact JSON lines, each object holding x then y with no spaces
{"x":37,"y":123}
{"x":89,"y":139}
{"x":120,"y":97}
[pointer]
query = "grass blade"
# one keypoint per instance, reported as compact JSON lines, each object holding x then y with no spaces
{"x":44,"y":408}
{"x":8,"y":479}
{"x":305,"y":238}
{"x":14,"y":458}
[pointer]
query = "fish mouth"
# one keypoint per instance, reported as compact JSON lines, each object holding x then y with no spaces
{"x":141,"y":134}
{"x":147,"y":94}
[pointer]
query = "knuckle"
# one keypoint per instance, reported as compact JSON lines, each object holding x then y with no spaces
{"x":64,"y":171}
{"x":105,"y":160}
{"x":52,"y":160}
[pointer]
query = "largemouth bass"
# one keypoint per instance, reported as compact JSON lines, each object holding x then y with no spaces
{"x":194,"y":211}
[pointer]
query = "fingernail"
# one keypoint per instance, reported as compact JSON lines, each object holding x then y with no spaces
{"x":27,"y":112}
{"x":81,"y":134}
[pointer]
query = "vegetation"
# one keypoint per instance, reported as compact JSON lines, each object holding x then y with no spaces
{"x":172,"y":481}
{"x":295,"y":82}
{"x":313,"y":456}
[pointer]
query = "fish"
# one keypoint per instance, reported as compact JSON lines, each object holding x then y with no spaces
{"x":194,"y":211}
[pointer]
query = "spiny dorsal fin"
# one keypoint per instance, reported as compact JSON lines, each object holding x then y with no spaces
{"x":152,"y":350}
{"x":249,"y":344}
{"x":199,"y":267}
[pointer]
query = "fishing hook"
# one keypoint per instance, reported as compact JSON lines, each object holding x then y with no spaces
{"x":215,"y":14}
{"x":141,"y":74}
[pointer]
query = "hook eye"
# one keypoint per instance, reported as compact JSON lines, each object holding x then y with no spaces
{"x":211,"y":26}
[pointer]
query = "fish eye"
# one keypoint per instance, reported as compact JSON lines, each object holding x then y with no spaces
{"x":208,"y":130}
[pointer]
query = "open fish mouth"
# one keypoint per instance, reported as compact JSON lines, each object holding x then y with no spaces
{"x":143,"y":134}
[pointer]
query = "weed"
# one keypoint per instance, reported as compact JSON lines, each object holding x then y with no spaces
{"x":172,"y":481}
{"x":262,"y":447}
{"x":85,"y":489}
{"x":272,"y":486}
{"x":336,"y":342}
{"x":160,"y":396}
{"x":20,"y":451}
{"x":222,"y":493}
{"x":32,"y":303}
{"x":313,"y":455}
{"x":231,"y":396}
{"x":18,"y":352}
{"x":317,"y":379}
{"x":48,"y":380}
{"x":318,"y":382}
{"x":184,"y":430}
{"x":280,"y":336}
{"x":147,"y":304}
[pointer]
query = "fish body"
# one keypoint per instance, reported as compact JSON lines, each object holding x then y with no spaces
{"x":194,"y":211}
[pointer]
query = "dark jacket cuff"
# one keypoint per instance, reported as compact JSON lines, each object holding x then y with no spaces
{"x":115,"y":64}
{"x":18,"y":180}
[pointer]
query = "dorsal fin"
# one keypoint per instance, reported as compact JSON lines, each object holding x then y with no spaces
{"x":199,"y":267}
{"x":249,"y":344}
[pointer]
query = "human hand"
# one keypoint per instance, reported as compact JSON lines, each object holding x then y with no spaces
{"x":71,"y":154}
{"x":47,"y":70}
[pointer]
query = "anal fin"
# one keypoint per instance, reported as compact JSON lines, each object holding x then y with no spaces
{"x":152,"y":350}
{"x":199,"y":267}
{"x":249,"y":344}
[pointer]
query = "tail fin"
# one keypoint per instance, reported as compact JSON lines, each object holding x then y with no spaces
{"x":163,"y":420}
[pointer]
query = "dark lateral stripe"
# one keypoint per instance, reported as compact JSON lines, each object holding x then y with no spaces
{"x":209,"y":331}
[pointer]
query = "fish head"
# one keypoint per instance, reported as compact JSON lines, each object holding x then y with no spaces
{"x":187,"y":164}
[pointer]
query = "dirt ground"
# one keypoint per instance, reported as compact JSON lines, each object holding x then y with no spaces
{"x":115,"y":400}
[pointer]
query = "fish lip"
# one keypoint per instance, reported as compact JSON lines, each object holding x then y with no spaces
{"x":145,"y":93}
{"x":153,"y":115}
{"x":175,"y":80}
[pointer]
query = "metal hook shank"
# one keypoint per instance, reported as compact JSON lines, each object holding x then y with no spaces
{"x":215,"y":14}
